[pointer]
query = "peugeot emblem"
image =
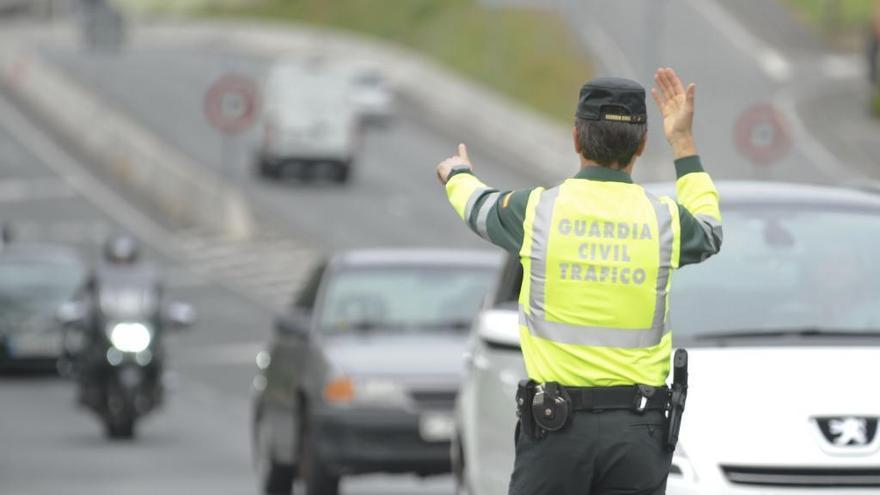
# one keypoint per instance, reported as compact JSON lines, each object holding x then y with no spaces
{"x":846,"y":435}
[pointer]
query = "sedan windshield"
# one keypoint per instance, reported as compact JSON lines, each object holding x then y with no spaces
{"x":404,"y":298}
{"x":784,"y":272}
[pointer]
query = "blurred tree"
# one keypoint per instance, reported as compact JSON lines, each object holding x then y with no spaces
{"x":874,"y":56}
{"x":874,"y":44}
{"x":832,"y":15}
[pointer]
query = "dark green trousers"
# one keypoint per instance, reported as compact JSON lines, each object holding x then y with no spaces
{"x":598,"y":453}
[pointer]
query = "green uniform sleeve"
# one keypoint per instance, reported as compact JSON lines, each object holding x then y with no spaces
{"x":493,"y":215}
{"x":699,"y":212}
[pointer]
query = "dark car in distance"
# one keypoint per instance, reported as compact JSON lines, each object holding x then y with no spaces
{"x":35,"y":281}
{"x":362,"y":372}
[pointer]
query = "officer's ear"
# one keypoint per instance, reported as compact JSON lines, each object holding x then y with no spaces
{"x":577,"y":142}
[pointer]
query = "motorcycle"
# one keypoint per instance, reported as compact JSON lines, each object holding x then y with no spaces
{"x":120,"y":355}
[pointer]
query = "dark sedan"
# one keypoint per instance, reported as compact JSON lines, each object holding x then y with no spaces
{"x":35,"y":280}
{"x":362,"y":373}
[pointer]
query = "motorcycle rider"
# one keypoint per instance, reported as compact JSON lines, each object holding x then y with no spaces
{"x":120,"y":283}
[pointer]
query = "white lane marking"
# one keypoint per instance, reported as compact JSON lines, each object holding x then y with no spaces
{"x":821,"y":157}
{"x":41,"y":188}
{"x":238,"y":353}
{"x":601,"y":44}
{"x":773,"y":63}
{"x":843,"y":66}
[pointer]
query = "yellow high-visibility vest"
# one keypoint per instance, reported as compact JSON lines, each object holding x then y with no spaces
{"x":597,"y":258}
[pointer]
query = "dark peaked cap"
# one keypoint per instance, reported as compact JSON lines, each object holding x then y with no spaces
{"x":613,"y":99}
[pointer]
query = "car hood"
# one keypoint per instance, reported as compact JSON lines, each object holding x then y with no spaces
{"x":418,"y":357}
{"x":757,"y":406}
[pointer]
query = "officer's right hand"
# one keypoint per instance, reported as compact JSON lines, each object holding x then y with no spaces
{"x":676,"y":104}
{"x":445,"y":167}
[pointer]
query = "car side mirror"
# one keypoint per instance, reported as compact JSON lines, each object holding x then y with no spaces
{"x":499,"y":327}
{"x":180,"y":315}
{"x":294,"y":325}
{"x":71,"y":313}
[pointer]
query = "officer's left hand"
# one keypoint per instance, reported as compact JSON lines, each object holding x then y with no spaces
{"x":446,"y":166}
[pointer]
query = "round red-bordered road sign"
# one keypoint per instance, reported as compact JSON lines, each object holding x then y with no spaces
{"x":232,"y":103}
{"x":762,"y":135}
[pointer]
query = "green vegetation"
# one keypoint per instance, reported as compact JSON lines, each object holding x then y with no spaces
{"x":528,"y":55}
{"x":835,"y":15}
{"x":876,"y":102}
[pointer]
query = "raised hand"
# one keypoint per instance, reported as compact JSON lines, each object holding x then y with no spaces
{"x":446,"y":166}
{"x":676,"y":105}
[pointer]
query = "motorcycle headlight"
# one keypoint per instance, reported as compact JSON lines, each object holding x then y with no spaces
{"x":130,"y":336}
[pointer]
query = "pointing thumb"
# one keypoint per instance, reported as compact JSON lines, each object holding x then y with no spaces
{"x":463,"y":153}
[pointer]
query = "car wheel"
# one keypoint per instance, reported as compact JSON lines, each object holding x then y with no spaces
{"x":458,"y":470}
{"x":119,"y":414}
{"x":341,"y":172}
{"x":266,"y":169}
{"x":274,"y":478}
{"x":317,"y":479}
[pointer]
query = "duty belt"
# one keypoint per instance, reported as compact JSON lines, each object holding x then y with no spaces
{"x":636,"y":398}
{"x":547,"y":407}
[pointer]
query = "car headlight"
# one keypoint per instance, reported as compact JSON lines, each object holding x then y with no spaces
{"x":130,"y":336}
{"x":378,"y":392}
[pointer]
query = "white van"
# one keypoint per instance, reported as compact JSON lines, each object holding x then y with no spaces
{"x":308,"y":128}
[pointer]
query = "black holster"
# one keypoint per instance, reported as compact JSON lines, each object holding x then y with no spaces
{"x":677,"y":398}
{"x":525,"y":395}
{"x":542,"y":408}
{"x":551,"y":407}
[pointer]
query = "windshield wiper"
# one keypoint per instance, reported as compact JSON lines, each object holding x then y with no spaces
{"x":456,"y":325}
{"x":785,"y":332}
{"x":363,"y":326}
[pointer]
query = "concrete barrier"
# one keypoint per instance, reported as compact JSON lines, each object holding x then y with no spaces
{"x":182,"y":189}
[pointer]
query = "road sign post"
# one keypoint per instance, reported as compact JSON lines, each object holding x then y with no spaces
{"x":231,"y":106}
{"x":762,"y":134}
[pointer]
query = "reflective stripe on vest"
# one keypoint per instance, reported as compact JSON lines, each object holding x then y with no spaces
{"x":472,"y":201}
{"x":483,"y":215}
{"x":535,"y":317}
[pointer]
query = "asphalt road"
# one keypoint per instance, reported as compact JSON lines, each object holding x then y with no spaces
{"x":199,"y":442}
{"x":740,"y":54}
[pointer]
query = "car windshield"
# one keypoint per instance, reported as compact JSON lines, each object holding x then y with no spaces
{"x":36,"y":286}
{"x":404,"y":298}
{"x":784,"y":271}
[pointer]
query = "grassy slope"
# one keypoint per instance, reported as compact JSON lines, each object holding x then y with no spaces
{"x":846,"y":14}
{"x":528,"y":55}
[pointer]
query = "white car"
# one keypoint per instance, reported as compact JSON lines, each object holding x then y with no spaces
{"x":371,"y":95}
{"x":783,"y":331}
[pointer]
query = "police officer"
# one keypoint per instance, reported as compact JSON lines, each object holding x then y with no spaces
{"x":597,"y":253}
